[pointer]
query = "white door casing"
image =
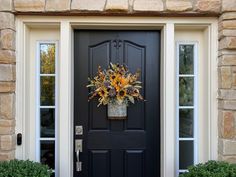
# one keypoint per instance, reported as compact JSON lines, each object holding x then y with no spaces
{"x":65,"y":26}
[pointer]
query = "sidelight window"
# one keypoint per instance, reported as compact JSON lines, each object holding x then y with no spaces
{"x":47,"y":104}
{"x":186,"y":105}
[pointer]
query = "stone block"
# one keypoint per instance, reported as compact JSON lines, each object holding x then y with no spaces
{"x":234,"y":80}
{"x":6,"y":72}
{"x":7,"y":20}
{"x":148,"y":5}
{"x":8,"y":142}
{"x":7,"y":127}
{"x":57,"y":5}
{"x":6,"y":87}
{"x":7,"y":40}
{"x":227,"y":60}
{"x":88,"y":5}
{"x":7,"y":106}
{"x":227,"y":124}
{"x":227,"y":104}
{"x":7,"y":57}
{"x":29,"y":5}
{"x":213,"y":6}
{"x":227,"y":94}
{"x":227,"y":147}
{"x":228,"y":5}
{"x":7,"y":130}
{"x":117,"y":5}
{"x":228,"y":16}
{"x":228,"y":24}
{"x":230,"y":159}
{"x":178,"y":5}
{"x":227,"y":43}
{"x":227,"y":33}
{"x":225,"y":77}
{"x":6,"y":5}
{"x":7,"y":155}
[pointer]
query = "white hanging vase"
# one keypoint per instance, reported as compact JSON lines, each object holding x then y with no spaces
{"x":117,"y":111}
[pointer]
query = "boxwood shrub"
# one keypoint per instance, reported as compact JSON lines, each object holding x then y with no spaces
{"x":211,"y":169}
{"x":20,"y":168}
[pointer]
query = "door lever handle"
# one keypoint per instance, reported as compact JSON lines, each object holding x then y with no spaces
{"x":78,"y":149}
{"x":78,"y":162}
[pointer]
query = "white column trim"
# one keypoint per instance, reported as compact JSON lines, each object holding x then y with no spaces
{"x":213,"y":88}
{"x":168,"y":109}
{"x":65,"y":102}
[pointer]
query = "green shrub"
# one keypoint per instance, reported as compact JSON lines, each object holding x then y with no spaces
{"x":20,"y":168}
{"x":211,"y":169}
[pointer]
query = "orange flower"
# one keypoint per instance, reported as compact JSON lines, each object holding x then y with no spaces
{"x":124,"y":81}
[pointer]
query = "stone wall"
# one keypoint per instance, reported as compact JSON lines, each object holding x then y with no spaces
{"x":7,"y":80}
{"x":227,"y":81}
{"x":162,"y":7}
{"x":226,"y":9}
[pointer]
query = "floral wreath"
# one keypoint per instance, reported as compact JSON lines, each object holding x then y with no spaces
{"x":116,"y":84}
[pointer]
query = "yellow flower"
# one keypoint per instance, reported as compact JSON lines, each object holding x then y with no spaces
{"x":103,"y":92}
{"x":121,"y":94}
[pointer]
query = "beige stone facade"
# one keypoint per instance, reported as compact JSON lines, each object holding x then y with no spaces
{"x":224,"y":9}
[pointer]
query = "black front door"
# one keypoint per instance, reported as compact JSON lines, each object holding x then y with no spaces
{"x":118,"y":148}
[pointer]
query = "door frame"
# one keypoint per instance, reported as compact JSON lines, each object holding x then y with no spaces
{"x":66,"y":25}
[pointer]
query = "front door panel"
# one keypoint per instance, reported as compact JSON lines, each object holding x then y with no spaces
{"x":118,"y":148}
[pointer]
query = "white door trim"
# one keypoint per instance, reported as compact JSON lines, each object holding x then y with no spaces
{"x":168,"y":113}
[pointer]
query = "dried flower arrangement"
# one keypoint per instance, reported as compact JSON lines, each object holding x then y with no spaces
{"x":115,"y":85}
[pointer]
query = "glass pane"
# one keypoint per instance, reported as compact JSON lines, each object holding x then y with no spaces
{"x":47,"y":122}
{"x":186,"y":86}
{"x":47,"y":154}
{"x":186,"y":59}
{"x":186,"y":123}
{"x":47,"y":58}
{"x":185,"y":154}
{"x":47,"y":87}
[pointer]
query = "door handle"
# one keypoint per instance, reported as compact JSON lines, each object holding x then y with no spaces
{"x":78,"y":149}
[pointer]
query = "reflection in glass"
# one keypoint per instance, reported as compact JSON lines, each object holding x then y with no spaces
{"x":186,"y":85}
{"x":186,"y":59}
{"x":47,"y":154}
{"x":185,"y":154}
{"x":47,"y":58}
{"x":47,"y":87}
{"x":47,"y":122}
{"x":186,"y":123}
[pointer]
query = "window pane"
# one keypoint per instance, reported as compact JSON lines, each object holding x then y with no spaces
{"x":186,"y":123}
{"x":186,"y":86}
{"x":47,"y":154}
{"x":47,"y":86}
{"x":186,"y":59}
{"x":185,"y":154}
{"x":47,"y":58}
{"x":47,"y":122}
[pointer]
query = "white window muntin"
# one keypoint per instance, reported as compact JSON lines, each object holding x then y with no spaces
{"x":39,"y":106}
{"x":194,"y":107}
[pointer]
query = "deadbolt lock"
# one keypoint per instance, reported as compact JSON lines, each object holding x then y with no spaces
{"x":79,"y":130}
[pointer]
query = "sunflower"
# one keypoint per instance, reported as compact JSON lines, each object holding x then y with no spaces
{"x":103,"y":92}
{"x":116,"y":83}
{"x":121,"y":95}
